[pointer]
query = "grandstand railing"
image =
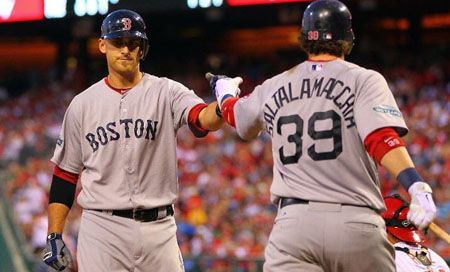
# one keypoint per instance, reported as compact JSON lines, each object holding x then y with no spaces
{"x":14,"y":252}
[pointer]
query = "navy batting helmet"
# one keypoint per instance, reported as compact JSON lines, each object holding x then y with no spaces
{"x":327,"y":20}
{"x":396,"y":220}
{"x":125,"y":23}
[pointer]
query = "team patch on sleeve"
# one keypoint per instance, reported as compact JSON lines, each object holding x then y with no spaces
{"x":386,"y":109}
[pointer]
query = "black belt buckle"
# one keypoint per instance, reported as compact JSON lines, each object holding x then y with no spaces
{"x":137,"y":214}
{"x":169,"y":210}
{"x":143,"y":215}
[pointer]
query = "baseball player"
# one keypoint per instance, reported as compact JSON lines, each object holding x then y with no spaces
{"x":410,"y":255}
{"x":330,"y":122}
{"x":118,"y":138}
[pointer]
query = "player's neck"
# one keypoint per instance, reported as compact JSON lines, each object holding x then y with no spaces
{"x":124,"y":81}
{"x":323,"y":57}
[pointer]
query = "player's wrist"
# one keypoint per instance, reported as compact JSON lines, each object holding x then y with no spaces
{"x":408,"y":177}
{"x":225,"y":98}
{"x":54,"y":235}
{"x":218,"y":111}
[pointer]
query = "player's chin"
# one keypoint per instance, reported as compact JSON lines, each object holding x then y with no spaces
{"x":126,"y":66}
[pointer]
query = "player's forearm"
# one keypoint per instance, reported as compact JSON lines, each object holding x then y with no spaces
{"x":209,"y":119}
{"x":397,"y":160}
{"x":60,"y":199}
{"x":57,"y":214}
{"x":422,"y":208}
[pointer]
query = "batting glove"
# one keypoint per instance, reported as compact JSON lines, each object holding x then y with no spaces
{"x":421,"y":209}
{"x":223,"y":86}
{"x":56,"y":254}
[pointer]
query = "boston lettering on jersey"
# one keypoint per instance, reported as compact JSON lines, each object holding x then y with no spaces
{"x":331,"y":89}
{"x":111,"y":132}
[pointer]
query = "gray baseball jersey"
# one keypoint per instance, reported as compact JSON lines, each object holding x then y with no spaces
{"x":318,"y":115}
{"x":124,"y":145}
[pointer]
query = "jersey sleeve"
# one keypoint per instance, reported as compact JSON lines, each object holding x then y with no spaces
{"x":68,"y":153}
{"x":182,"y":101}
{"x":375,"y":107}
{"x":248,"y":114}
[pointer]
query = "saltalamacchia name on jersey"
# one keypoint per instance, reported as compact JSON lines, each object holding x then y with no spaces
{"x":342,"y":97}
{"x":108,"y":133}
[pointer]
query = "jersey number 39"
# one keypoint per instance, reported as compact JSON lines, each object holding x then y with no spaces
{"x":335,"y":133}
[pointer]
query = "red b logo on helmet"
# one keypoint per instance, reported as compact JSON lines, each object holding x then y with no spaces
{"x":313,"y":35}
{"x":126,"y":23}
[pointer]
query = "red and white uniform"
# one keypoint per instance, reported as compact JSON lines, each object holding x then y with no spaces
{"x":408,"y":261}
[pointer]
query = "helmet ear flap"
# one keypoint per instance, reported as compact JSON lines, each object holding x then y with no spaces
{"x":144,"y":49}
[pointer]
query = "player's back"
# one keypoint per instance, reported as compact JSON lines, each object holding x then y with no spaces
{"x":318,"y":114}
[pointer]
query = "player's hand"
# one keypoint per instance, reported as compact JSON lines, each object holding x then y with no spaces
{"x":223,"y":86}
{"x":421,"y":209}
{"x":56,"y":254}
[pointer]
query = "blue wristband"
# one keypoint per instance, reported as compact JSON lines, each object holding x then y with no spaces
{"x":408,"y":176}
{"x":225,"y":97}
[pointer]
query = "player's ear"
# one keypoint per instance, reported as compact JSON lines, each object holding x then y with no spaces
{"x":102,"y":45}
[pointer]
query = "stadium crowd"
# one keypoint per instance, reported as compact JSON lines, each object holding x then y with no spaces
{"x":223,"y":212}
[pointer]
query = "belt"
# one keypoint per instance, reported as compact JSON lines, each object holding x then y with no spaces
{"x":286,"y":201}
{"x":142,"y":215}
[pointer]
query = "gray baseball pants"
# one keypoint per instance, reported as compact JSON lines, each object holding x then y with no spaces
{"x":324,"y":237}
{"x":111,"y":243}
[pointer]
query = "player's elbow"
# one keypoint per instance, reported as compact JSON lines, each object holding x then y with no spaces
{"x":248,"y":134}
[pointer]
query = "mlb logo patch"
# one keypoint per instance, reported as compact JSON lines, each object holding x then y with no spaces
{"x":317,"y":67}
